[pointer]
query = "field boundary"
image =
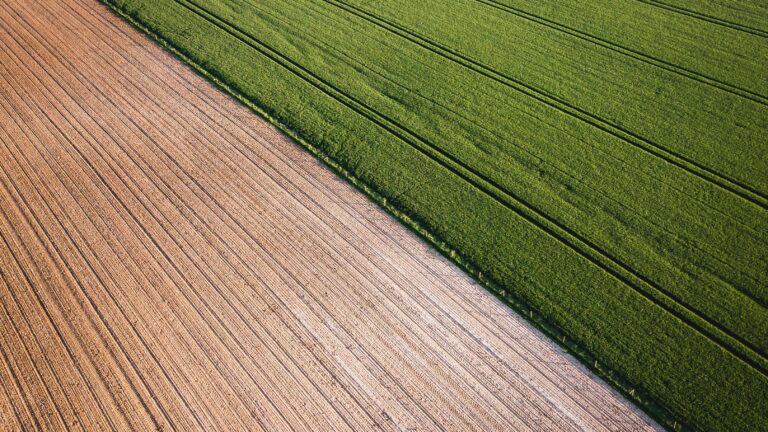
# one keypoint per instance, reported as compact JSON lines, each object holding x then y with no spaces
{"x":637,"y":396}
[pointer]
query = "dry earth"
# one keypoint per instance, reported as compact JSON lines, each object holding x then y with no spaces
{"x":168,"y":260}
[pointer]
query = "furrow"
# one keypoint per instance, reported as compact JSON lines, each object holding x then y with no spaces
{"x":140,"y":398}
{"x":110,"y":379}
{"x":28,"y":420}
{"x":22,"y":364}
{"x":42,"y":370}
{"x":10,"y":418}
{"x":56,"y":315}
{"x":33,"y":141}
{"x":212,"y":282}
{"x":54,"y":200}
{"x":213,"y":392}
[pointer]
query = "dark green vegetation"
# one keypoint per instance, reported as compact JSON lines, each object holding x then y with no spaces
{"x":603,"y":162}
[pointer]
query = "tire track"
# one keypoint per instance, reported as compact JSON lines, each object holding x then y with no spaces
{"x":191,"y":179}
{"x":670,"y":156}
{"x":708,"y":18}
{"x":182,"y":168}
{"x":629,"y":52}
{"x":742,"y":292}
{"x":213,"y":163}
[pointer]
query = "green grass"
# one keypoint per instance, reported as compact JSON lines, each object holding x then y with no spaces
{"x":604,"y":165}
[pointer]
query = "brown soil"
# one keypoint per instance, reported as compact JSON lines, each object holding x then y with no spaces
{"x":168,"y":260}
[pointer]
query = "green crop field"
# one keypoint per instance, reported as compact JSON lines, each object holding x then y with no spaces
{"x":602,"y":165}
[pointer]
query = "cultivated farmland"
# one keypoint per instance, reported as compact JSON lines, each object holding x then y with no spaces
{"x":603,"y":164}
{"x":169,"y":261}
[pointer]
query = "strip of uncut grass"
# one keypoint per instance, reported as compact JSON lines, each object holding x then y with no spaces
{"x":651,"y":348}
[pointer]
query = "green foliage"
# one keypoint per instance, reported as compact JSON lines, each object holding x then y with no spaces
{"x":604,"y":164}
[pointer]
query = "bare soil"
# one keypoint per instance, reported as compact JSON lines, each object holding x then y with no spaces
{"x":170,"y":261}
